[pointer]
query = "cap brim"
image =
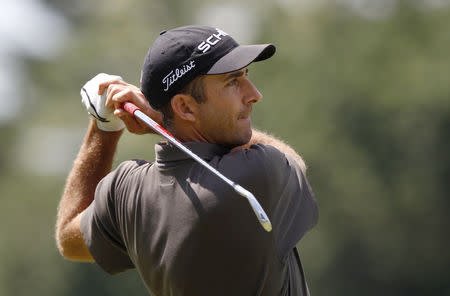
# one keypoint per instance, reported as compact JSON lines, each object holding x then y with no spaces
{"x":242,"y":56}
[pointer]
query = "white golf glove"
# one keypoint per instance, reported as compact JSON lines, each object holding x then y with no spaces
{"x":95,"y":104}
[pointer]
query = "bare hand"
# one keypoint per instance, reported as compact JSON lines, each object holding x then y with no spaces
{"x":119,"y":92}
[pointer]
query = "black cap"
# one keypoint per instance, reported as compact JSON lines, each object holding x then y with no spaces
{"x":181,"y":54}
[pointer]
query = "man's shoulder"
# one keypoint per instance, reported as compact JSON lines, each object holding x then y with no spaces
{"x":259,"y":161}
{"x":132,"y":165}
{"x":256,"y":155}
{"x":126,"y":175}
{"x":127,"y":169}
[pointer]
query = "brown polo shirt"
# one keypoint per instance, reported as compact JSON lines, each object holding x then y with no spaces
{"x":188,"y":233}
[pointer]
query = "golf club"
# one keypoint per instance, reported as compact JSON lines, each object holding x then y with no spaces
{"x":259,"y":211}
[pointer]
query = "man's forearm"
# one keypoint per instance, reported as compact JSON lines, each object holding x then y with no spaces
{"x":93,"y":162}
{"x":263,"y":138}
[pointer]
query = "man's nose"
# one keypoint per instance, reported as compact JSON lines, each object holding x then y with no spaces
{"x":252,"y":95}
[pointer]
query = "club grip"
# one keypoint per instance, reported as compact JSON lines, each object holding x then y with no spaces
{"x":130,"y":107}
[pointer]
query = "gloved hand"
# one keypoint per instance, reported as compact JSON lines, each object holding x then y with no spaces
{"x":95,"y":103}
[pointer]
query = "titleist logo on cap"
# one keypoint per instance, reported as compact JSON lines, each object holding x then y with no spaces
{"x":176,"y":74}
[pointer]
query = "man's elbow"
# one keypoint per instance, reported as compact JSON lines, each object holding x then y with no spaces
{"x":73,"y":248}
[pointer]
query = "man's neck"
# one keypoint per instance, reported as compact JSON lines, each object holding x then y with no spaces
{"x":187,"y":133}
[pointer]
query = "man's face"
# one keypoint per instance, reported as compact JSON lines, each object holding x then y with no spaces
{"x":224,"y":118}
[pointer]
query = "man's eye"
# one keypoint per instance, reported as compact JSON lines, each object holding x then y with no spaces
{"x":233,"y":82}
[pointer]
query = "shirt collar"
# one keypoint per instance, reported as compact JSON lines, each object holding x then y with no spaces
{"x":166,"y":152}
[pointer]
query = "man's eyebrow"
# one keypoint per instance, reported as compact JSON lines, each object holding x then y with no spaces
{"x":236,"y":74}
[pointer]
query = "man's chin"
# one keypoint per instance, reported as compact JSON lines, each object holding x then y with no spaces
{"x":243,"y":140}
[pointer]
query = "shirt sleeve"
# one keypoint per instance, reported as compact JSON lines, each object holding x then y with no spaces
{"x":99,"y":225}
{"x":282,"y":189}
{"x":298,"y":204}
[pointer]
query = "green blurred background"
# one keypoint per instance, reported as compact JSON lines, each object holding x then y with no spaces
{"x":361,"y":88}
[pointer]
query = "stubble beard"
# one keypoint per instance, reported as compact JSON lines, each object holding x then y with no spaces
{"x":239,"y":138}
{"x":241,"y":134}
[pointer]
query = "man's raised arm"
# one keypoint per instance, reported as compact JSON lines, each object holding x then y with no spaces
{"x":102,"y":96}
{"x":93,"y":162}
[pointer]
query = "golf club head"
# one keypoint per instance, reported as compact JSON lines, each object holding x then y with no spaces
{"x":259,"y":211}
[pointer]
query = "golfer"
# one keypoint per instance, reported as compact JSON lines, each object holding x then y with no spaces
{"x":185,"y":230}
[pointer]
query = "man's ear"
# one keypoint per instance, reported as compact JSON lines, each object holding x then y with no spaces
{"x":185,"y":107}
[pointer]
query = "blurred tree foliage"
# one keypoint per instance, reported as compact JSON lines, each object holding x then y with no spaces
{"x":365,"y":101}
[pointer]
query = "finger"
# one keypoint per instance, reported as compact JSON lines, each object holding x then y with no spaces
{"x":115,"y":95}
{"x":133,"y":124}
{"x":104,"y":85}
{"x":129,"y":94}
{"x":123,"y":96}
